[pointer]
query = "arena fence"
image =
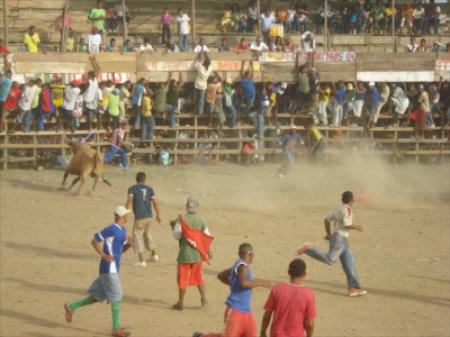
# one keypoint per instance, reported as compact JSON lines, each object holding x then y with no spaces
{"x":186,"y":143}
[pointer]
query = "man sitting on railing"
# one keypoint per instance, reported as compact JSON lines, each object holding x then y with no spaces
{"x":118,"y":136}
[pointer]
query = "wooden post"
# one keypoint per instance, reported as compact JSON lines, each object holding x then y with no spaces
{"x":258,"y":3}
{"x":5,"y":33}
{"x":5,"y":151}
{"x":393,"y":26}
{"x":5,"y":23}
{"x":124,"y":21}
{"x":64,"y":28}
{"x":325,"y":27}
{"x":194,"y":35}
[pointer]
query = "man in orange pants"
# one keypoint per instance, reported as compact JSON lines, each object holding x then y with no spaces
{"x":239,"y":321}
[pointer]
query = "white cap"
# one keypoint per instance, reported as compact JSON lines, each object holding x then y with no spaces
{"x":121,"y":211}
{"x":293,"y":127}
{"x":371,"y":84}
{"x":284,"y":85}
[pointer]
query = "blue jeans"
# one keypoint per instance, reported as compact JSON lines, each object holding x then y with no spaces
{"x":288,"y":162}
{"x":172,"y":112}
{"x":184,"y":39}
{"x":137,"y":116}
{"x":113,"y":150}
{"x":147,"y":127}
{"x":431,"y":22}
{"x":247,"y":105}
{"x":258,"y":120}
{"x":302,"y":100}
{"x":233,"y":115}
{"x":339,"y":248}
{"x":338,"y":114}
{"x":27,"y":120}
{"x":429,"y":118}
{"x":42,"y":116}
{"x":199,"y":99}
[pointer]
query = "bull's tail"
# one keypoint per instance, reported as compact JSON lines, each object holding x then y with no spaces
{"x":106,"y":182}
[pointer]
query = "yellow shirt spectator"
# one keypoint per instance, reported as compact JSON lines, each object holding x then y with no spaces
{"x":390,"y":11}
{"x":32,"y":42}
{"x":57,"y":93}
{"x":324,"y":95}
{"x":147,"y":105}
{"x":70,"y":44}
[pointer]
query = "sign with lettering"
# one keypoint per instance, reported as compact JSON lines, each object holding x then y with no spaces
{"x":332,"y":56}
{"x":395,"y":76}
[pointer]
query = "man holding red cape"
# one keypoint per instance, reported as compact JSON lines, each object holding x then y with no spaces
{"x":194,"y":240}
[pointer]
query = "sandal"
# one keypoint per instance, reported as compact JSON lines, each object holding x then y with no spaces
{"x":121,"y":332}
{"x":68,"y":314}
{"x":177,"y":306}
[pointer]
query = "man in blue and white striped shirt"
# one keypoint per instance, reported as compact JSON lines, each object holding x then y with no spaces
{"x":109,"y":243}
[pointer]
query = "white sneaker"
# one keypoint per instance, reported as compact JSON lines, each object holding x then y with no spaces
{"x":140,"y":264}
{"x":153,"y":258}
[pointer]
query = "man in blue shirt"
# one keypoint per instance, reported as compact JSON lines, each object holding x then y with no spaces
{"x":340,"y":94}
{"x":5,"y":87}
{"x":109,"y":243}
{"x":248,"y":91}
{"x":141,"y":197}
{"x":374,"y":101}
{"x":138,"y":95}
{"x":239,"y":320}
{"x":289,"y":142}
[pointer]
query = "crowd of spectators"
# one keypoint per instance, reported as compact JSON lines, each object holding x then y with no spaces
{"x":225,"y":102}
{"x":344,"y":17}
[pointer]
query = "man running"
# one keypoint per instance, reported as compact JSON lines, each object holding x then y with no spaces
{"x":109,"y":243}
{"x":339,"y":247}
{"x":142,"y":197}
{"x":292,"y":306}
{"x":239,"y":321}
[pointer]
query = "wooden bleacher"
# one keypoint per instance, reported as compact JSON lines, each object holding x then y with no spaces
{"x":145,"y":15}
{"x":36,"y":148}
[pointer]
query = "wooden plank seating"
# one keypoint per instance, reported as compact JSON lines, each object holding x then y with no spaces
{"x":391,"y":142}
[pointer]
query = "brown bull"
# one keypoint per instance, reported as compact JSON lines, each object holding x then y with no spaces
{"x":85,"y":162}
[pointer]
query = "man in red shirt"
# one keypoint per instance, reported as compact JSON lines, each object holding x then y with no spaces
{"x":292,"y":306}
{"x":242,"y":46}
{"x":10,"y":105}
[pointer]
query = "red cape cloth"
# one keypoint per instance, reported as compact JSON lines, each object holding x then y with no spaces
{"x":196,"y":238}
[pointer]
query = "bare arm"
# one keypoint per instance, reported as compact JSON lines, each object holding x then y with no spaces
{"x":98,"y":248}
{"x":355,"y":227}
{"x":265,"y":322}
{"x":309,"y":327}
{"x":129,"y":201}
{"x":246,"y":283}
{"x":224,"y":276}
{"x":327,"y":229}
{"x":156,"y":207}
{"x":128,"y":245}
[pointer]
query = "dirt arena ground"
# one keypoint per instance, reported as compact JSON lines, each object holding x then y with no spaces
{"x":402,"y":254}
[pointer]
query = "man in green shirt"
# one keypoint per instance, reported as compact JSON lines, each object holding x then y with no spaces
{"x":98,"y":16}
{"x":189,"y":260}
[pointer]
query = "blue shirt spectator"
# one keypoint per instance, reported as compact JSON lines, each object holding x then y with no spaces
{"x":374,"y":95}
{"x":340,"y":94}
{"x":248,"y":89}
{"x":138,"y":93}
{"x":5,"y":87}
